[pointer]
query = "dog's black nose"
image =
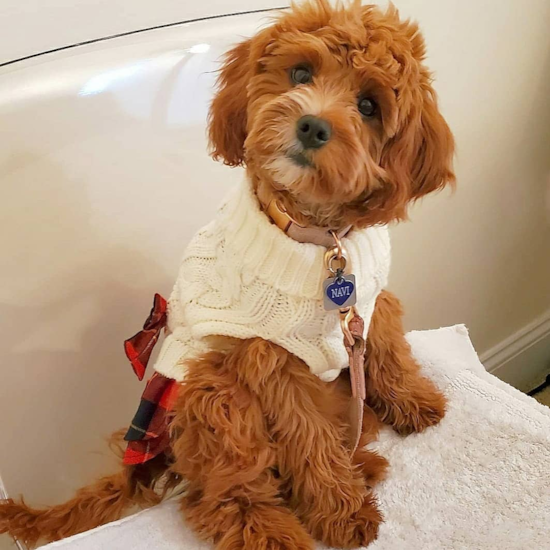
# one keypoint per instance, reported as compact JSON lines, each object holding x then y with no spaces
{"x":313,"y":132}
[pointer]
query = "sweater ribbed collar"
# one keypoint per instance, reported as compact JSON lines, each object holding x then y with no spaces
{"x":258,"y":248}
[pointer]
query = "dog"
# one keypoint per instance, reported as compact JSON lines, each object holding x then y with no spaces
{"x":332,"y":113}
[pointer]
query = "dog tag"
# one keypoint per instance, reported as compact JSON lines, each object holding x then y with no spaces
{"x":339,"y":292}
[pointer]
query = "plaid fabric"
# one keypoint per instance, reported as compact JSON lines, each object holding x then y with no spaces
{"x":139,"y":347}
{"x":148,"y":435}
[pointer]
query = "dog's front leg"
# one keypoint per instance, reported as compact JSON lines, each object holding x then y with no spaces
{"x":222,"y":449}
{"x":396,"y":390}
{"x":304,"y":415}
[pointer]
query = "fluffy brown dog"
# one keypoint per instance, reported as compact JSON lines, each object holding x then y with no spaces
{"x":258,"y":438}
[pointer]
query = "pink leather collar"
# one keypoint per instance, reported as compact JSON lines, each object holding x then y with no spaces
{"x":321,"y":236}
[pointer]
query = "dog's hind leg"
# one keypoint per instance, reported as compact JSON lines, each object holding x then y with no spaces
{"x":223,"y":450}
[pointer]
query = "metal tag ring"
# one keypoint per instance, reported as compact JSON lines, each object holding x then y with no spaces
{"x":338,"y":255}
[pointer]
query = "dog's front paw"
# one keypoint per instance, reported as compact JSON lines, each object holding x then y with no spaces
{"x":420,"y":413}
{"x":281,"y":541}
{"x":356,"y":531}
{"x":267,"y":528}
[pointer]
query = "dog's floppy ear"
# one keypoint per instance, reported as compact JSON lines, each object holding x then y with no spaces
{"x":227,"y":118}
{"x":420,"y":155}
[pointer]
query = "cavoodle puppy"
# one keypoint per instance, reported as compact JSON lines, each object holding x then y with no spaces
{"x":252,"y":411}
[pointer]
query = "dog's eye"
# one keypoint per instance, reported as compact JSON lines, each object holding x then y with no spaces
{"x":367,"y":106}
{"x":301,"y":75}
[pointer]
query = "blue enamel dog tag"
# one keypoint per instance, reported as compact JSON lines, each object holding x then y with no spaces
{"x":339,"y":292}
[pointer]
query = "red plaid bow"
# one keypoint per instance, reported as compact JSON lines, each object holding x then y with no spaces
{"x":139,"y":347}
{"x":148,"y":435}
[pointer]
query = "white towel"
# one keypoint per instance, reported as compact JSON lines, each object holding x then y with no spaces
{"x":479,"y":480}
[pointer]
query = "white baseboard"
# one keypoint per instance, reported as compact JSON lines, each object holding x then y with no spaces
{"x":522,"y":359}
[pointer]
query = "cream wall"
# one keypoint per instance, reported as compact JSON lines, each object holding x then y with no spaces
{"x":105,"y":176}
{"x":483,"y":255}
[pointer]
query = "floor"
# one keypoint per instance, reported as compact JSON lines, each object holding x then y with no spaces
{"x":543,"y":396}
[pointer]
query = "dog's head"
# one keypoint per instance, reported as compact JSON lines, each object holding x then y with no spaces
{"x":334,"y":110}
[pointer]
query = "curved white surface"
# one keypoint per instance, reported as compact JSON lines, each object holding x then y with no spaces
{"x":33,"y":26}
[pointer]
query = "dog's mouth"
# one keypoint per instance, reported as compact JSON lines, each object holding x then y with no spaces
{"x":300,"y":159}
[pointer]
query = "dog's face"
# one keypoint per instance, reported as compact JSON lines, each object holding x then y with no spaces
{"x":333,"y":109}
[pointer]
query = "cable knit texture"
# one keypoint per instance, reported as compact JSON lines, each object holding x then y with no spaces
{"x":242,"y":277}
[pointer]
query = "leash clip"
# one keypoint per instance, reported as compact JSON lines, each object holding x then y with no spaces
{"x":346,"y":316}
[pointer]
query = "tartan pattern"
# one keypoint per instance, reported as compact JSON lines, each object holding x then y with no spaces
{"x":139,"y":347}
{"x":148,"y":435}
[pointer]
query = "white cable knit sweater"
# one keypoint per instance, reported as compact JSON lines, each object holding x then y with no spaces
{"x":241,"y":276}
